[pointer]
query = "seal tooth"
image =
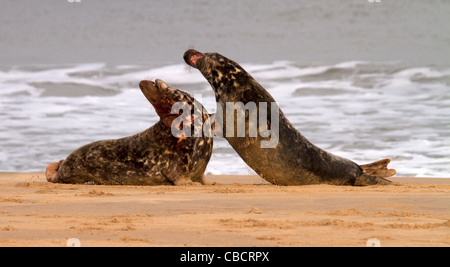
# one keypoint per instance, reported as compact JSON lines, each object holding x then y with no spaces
{"x":161,"y":84}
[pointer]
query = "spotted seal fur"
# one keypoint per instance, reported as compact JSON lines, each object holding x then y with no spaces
{"x":294,"y":160}
{"x":152,"y":157}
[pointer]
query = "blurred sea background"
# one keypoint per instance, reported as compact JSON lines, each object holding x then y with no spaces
{"x":364,"y":80}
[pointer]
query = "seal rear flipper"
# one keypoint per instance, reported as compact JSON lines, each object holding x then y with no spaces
{"x":379,"y":168}
{"x":51,"y":172}
{"x":365,"y":180}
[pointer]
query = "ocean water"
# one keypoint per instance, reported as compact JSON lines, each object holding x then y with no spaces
{"x":362,"y":80}
{"x":361,"y":110}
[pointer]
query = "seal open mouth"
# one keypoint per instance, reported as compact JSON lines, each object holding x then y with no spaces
{"x":191,"y":56}
{"x":161,"y":97}
{"x":153,"y":91}
{"x":149,"y":89}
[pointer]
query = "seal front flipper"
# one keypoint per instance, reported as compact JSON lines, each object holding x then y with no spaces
{"x":379,"y":168}
{"x":177,"y":176}
{"x":177,"y":179}
{"x":185,"y":181}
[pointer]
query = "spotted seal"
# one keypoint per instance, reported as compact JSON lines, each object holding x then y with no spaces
{"x":294,"y":160}
{"x":152,"y":157}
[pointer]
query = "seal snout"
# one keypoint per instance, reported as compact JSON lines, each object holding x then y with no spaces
{"x":153,"y":90}
{"x":191,"y":56}
{"x":146,"y":84}
{"x":149,"y":89}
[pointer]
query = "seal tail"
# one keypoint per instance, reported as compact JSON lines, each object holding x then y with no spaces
{"x":51,"y":172}
{"x":378,"y":168}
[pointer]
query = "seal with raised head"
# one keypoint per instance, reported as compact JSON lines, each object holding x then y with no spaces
{"x":152,"y":157}
{"x":294,"y":160}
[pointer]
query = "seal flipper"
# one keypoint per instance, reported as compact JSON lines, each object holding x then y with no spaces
{"x":378,"y":168}
{"x":51,"y":173}
{"x":365,"y":180}
{"x":176,"y":178}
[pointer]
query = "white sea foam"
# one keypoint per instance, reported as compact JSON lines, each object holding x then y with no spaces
{"x":360,"y":110}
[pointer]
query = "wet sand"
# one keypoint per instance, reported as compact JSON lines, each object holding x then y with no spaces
{"x":236,"y":211}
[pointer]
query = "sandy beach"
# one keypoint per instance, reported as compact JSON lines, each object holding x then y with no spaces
{"x":235,"y":211}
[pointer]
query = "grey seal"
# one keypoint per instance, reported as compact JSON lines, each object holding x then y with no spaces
{"x":294,"y":160}
{"x":152,"y":157}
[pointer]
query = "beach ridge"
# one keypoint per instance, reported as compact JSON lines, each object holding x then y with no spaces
{"x":233,"y":211}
